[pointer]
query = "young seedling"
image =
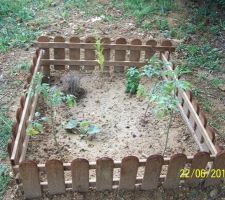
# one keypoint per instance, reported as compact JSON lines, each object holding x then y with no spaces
{"x":133,"y":78}
{"x":53,"y":98}
{"x":99,"y":55}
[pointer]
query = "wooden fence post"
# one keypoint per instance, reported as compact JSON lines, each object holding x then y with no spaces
{"x":89,"y":54}
{"x":30,"y":178}
{"x":74,"y":54}
{"x":128,"y":173}
{"x":152,"y":172}
{"x":59,"y":53}
{"x":104,"y":174}
{"x":120,"y":55}
{"x":55,"y":177}
{"x":80,"y":175}
{"x":149,"y":53}
{"x":177,"y":163}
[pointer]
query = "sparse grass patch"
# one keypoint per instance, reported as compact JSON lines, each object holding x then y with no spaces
{"x":4,"y":179}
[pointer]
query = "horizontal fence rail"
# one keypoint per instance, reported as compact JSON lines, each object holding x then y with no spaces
{"x":56,"y":177}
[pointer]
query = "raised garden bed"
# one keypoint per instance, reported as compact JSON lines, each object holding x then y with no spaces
{"x":126,"y":153}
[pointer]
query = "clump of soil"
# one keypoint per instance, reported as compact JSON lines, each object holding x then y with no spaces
{"x":123,"y":130}
{"x":71,"y":85}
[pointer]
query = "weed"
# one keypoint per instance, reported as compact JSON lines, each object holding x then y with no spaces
{"x":99,"y":55}
{"x":133,"y":78}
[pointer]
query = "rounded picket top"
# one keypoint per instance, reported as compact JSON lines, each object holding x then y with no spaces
{"x":59,"y":39}
{"x":105,"y":40}
{"x":121,"y":41}
{"x":90,"y":39}
{"x":18,"y":114}
{"x":74,"y":39}
{"x":15,"y":129}
{"x":151,"y":42}
{"x":136,"y":42}
{"x":10,"y":147}
{"x":22,"y":101}
{"x":203,"y":118}
{"x":43,"y":39}
{"x":211,"y":132}
{"x":166,"y":43}
{"x":190,"y":95}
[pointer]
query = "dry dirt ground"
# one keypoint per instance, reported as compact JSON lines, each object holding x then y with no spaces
{"x":77,"y":24}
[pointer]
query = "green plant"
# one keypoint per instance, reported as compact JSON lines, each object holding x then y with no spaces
{"x":133,"y":77}
{"x":99,"y":55}
{"x":4,"y":179}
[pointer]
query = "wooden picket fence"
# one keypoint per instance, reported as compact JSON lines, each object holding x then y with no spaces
{"x":80,"y":55}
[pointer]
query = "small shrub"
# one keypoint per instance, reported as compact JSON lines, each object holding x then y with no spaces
{"x":133,"y":78}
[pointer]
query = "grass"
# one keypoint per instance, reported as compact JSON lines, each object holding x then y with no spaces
{"x":4,"y":179}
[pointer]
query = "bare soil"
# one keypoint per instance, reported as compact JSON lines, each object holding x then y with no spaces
{"x":121,"y":120}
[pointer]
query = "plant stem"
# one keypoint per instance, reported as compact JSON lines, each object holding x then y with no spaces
{"x":167,"y":131}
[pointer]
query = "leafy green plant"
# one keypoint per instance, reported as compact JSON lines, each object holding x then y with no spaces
{"x":99,"y":55}
{"x":133,"y":77}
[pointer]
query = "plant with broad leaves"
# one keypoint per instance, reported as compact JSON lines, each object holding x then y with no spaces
{"x":133,"y":77}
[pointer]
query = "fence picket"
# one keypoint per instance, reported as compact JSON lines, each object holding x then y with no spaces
{"x":216,"y":175}
{"x":89,"y":54}
{"x":150,"y":53}
{"x":59,"y":53}
{"x":104,"y":174}
{"x":74,"y":54}
{"x":177,"y":163}
{"x":30,"y":179}
{"x":120,"y":55}
{"x":55,"y":177}
{"x":199,"y":163}
{"x":80,"y":175}
{"x":128,"y":173}
{"x":106,"y":52}
{"x":135,"y":54}
{"x":152,"y":172}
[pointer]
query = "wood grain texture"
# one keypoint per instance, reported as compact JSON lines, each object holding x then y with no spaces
{"x":55,"y":177}
{"x":59,"y":53}
{"x":89,"y":54}
{"x":177,"y":163}
{"x":152,"y":172}
{"x":30,"y":179}
{"x":199,"y":162}
{"x":80,"y":175}
{"x":104,"y":174}
{"x":135,"y":54}
{"x":120,"y":55}
{"x":46,"y":55}
{"x":128,"y":173}
{"x":74,"y":54}
{"x":149,"y":53}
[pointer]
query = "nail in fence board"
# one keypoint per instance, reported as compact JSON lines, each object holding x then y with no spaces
{"x":120,"y":55}
{"x":150,"y":53}
{"x":30,"y":179}
{"x":80,"y":175}
{"x":55,"y":177}
{"x":216,"y":175}
{"x":152,"y":172}
{"x":199,"y":163}
{"x":106,"y":52}
{"x":177,"y":163}
{"x":135,"y":55}
{"x":46,"y":55}
{"x":104,"y":174}
{"x":74,"y":54}
{"x":59,"y":53}
{"x":128,"y":173}
{"x":89,"y":54}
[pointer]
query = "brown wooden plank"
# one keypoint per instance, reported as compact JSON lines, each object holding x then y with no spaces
{"x":199,"y":163}
{"x":80,"y":175}
{"x":55,"y":177}
{"x":177,"y":163}
{"x":217,"y":167}
{"x":74,"y":54}
{"x":18,"y":114}
{"x":135,"y":54}
{"x":59,"y":53}
{"x":152,"y":172}
{"x":120,"y":55}
{"x":211,"y":132}
{"x":93,"y":62}
{"x":83,"y":45}
{"x":150,"y":52}
{"x":46,"y":55}
{"x":106,"y":51}
{"x":128,"y":173}
{"x":89,"y":54}
{"x":104,"y":174}
{"x":30,"y":179}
